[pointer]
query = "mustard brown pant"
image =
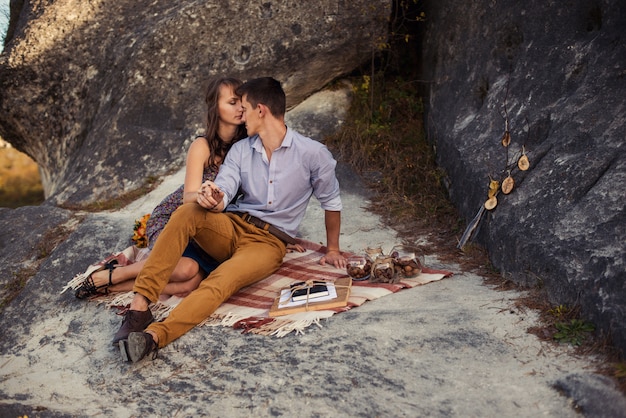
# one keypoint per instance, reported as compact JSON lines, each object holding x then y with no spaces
{"x":247,"y":254}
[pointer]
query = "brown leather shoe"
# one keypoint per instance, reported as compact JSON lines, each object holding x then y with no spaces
{"x":134,"y":321}
{"x":137,"y":346}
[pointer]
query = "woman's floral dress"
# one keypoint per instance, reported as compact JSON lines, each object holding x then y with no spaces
{"x":161,"y":214}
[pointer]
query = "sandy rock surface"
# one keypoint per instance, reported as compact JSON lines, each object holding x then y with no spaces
{"x":454,"y":348}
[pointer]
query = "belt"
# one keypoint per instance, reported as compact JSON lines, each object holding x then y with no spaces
{"x":286,"y":238}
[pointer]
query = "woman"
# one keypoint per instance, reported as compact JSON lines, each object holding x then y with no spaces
{"x":223,"y":128}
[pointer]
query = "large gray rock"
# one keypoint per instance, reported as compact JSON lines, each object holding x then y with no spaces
{"x":27,"y":235}
{"x":559,"y":69}
{"x":104,"y":95}
{"x":322,"y":113}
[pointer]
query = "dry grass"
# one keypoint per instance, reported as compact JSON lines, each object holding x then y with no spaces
{"x":149,"y":184}
{"x":384,"y":141}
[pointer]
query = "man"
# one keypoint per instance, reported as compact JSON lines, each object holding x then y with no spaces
{"x":276,"y":170}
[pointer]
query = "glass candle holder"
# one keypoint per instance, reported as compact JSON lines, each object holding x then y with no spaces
{"x":359,"y":267}
{"x":383,"y":271}
{"x":407,"y":261}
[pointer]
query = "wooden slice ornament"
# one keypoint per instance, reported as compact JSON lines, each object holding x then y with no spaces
{"x":506,"y":139}
{"x":508,"y":184}
{"x":523,"y":163}
{"x":491,"y":203}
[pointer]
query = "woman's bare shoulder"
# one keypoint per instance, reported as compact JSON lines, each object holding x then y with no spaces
{"x":200,"y":143}
{"x":199,"y":152}
{"x":200,"y":140}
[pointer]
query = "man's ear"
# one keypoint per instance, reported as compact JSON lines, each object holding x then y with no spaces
{"x":262,"y":110}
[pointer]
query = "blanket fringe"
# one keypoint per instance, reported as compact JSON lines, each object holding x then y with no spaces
{"x":231,"y":319}
{"x":160,"y":311}
{"x":212,"y":321}
{"x":287,"y":327}
{"x":277,"y":327}
{"x":75,"y":282}
{"x":120,"y":299}
{"x":78,"y":280}
{"x":221,"y":320}
{"x":128,"y":256}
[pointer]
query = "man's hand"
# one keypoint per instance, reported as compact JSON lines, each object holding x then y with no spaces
{"x":209,"y":195}
{"x":335,"y":258}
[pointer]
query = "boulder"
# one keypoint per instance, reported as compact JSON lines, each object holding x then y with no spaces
{"x":105,"y":95}
{"x":553,"y":75}
{"x":323,"y":113}
{"x":29,"y":234}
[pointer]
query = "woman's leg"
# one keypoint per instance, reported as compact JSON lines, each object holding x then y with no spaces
{"x":122,"y":277}
{"x":186,"y":277}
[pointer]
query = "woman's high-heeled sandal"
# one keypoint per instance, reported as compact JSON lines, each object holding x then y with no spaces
{"x":89,"y":288}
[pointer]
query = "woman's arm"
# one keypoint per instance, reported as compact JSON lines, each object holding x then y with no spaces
{"x":197,"y":157}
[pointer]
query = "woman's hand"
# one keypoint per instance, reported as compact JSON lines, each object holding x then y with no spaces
{"x":210,"y":196}
{"x":295,"y":247}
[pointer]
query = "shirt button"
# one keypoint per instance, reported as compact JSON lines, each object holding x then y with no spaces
{"x":269,"y":203}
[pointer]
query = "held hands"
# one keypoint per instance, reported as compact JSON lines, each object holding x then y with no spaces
{"x":209,"y":195}
{"x":335,"y":258}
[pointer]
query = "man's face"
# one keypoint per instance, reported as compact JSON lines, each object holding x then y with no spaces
{"x":250,"y":116}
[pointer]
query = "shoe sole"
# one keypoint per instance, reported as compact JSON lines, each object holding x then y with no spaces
{"x":136,"y":346}
{"x":123,"y":345}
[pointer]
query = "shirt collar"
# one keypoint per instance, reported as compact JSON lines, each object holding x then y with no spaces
{"x":257,"y":144}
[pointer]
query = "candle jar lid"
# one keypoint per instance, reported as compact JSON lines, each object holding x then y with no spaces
{"x":374,"y":252}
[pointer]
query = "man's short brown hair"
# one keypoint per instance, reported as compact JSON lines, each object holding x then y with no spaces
{"x":266,"y":91}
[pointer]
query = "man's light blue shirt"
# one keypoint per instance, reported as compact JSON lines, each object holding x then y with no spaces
{"x":278,"y":191}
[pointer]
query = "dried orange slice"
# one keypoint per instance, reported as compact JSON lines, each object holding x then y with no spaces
{"x":523,"y":163}
{"x":507,"y":185}
{"x":506,"y":139}
{"x":491,"y":203}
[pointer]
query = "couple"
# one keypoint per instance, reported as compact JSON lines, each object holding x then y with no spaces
{"x":244,"y":220}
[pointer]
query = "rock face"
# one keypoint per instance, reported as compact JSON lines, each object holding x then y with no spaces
{"x":27,"y":236}
{"x":105,"y":94}
{"x":558,"y":70}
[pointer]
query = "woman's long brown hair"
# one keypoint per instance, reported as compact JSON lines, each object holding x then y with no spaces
{"x":217,"y":146}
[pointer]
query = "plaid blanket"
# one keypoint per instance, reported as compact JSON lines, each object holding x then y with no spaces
{"x":248,"y":309}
